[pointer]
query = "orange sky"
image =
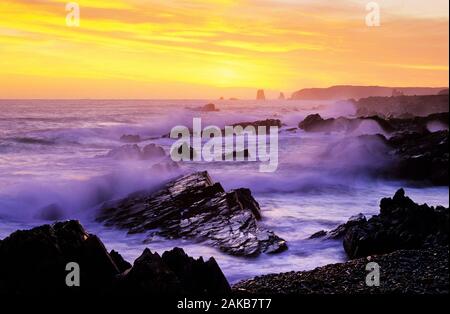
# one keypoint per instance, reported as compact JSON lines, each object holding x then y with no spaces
{"x":213,"y":48}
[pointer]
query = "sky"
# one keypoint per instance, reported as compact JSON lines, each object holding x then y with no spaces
{"x":213,"y":48}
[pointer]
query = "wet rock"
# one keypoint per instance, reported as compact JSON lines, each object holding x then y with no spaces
{"x":315,"y":123}
{"x":401,"y":224}
{"x":130,"y":138}
{"x":340,"y":231}
{"x":193,"y":206}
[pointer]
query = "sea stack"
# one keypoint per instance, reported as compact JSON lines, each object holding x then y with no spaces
{"x":281,"y":97}
{"x":260,"y":95}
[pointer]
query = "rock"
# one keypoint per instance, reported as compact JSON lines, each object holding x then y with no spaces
{"x":151,"y":151}
{"x":315,"y":123}
{"x":209,"y":107}
{"x":281,"y":96}
{"x":130,"y":138}
{"x":196,"y":275}
{"x":260,"y":123}
{"x":409,"y":272}
{"x":51,"y":212}
{"x":260,"y":95}
{"x":122,"y":265}
{"x":33,"y":262}
{"x":420,"y":157}
{"x":443,"y":92}
{"x":129,"y":151}
{"x":340,"y":231}
{"x":195,"y":207}
{"x":401,"y":224}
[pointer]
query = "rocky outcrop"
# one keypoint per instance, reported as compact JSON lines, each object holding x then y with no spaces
{"x":402,"y":105}
{"x":420,"y":157}
{"x":195,"y":207}
{"x":315,"y":123}
{"x":341,"y":92}
{"x":133,"y":151}
{"x":407,"y":272}
{"x":260,"y":95}
{"x":260,"y":123}
{"x":33,"y":262}
{"x":207,"y":108}
{"x":401,"y":224}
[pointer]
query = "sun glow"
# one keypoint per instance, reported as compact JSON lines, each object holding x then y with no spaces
{"x":196,"y":48}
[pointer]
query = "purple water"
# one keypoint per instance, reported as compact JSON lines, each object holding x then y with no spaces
{"x":49,"y":153}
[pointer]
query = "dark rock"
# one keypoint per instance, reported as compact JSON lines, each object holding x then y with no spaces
{"x":121,"y":264}
{"x":423,"y":105}
{"x":151,"y":151}
{"x":130,"y":138}
{"x":196,"y":276}
{"x":315,"y":123}
{"x":420,"y":157}
{"x":194,"y":207}
{"x":401,"y":224}
{"x":33,"y":262}
{"x":340,"y":231}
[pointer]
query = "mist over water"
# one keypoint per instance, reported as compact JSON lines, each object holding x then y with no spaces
{"x":52,"y":152}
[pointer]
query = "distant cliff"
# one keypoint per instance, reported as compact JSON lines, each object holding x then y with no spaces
{"x":356,"y":92}
{"x":402,"y":106}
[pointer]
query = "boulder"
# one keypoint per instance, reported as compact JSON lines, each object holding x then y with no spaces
{"x":401,"y":224}
{"x":195,"y":207}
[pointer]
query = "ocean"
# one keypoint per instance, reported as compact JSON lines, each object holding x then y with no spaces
{"x":52,"y":152}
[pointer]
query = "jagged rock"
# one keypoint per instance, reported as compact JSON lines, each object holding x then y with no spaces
{"x":33,"y":262}
{"x":130,"y":138}
{"x":260,"y":95}
{"x":121,"y":263}
{"x":401,"y":224}
{"x":194,"y":207}
{"x":340,"y":231}
{"x":315,"y":123}
{"x":421,"y":157}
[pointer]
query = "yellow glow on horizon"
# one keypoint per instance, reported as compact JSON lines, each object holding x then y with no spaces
{"x":208,"y":49}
